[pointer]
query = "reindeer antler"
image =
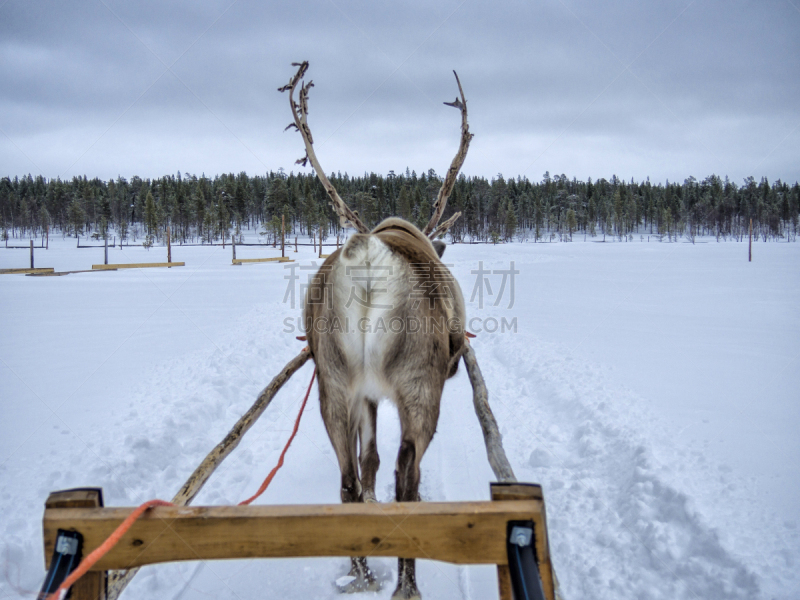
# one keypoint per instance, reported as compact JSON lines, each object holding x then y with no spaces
{"x":300,"y":113}
{"x":442,"y":229}
{"x":450,"y":180}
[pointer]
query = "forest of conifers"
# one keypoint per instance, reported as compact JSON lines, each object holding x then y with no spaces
{"x":203,"y":210}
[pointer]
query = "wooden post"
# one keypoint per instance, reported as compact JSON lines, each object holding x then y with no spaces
{"x":233,"y":246}
{"x":337,"y":241}
{"x":527,"y":491}
{"x":320,"y":246}
{"x":169,"y":248}
{"x":295,"y":243}
{"x":750,"y":250}
{"x":32,"y":254}
{"x":48,"y":238}
{"x":283,"y":235}
{"x":91,"y":586}
{"x":105,"y":250}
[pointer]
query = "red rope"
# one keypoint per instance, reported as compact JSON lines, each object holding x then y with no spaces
{"x":98,"y":553}
{"x":268,"y":480}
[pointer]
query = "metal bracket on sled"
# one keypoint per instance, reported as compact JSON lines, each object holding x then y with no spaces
{"x":67,"y":548}
{"x":522,"y":562}
{"x":66,"y":557}
{"x":528,"y":573}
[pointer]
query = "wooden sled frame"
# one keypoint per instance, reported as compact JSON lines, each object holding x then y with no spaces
{"x":456,"y":532}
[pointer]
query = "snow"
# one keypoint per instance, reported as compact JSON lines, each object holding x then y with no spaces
{"x":344,"y":580}
{"x":651,"y":388}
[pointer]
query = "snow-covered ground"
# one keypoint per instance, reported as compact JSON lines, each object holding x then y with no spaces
{"x":652,"y":388}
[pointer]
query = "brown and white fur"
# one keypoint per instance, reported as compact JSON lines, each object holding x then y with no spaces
{"x":397,"y":272}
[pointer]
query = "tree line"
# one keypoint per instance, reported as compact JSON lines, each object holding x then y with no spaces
{"x":204,"y":210}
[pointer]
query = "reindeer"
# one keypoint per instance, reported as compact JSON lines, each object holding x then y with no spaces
{"x":384,"y":319}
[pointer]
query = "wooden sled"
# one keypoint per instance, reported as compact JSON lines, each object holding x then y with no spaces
{"x":509,"y":531}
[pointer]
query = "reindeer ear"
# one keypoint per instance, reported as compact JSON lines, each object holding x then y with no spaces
{"x":439,"y":246}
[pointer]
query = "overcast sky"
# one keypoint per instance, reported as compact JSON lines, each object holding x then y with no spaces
{"x":665,"y":89}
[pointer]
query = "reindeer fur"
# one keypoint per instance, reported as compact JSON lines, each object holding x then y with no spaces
{"x":397,"y":272}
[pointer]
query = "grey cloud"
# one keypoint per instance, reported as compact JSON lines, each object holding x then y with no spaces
{"x":715,"y":91}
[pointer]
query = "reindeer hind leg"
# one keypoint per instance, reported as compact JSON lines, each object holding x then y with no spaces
{"x":343,"y":430}
{"x":419,"y":413}
{"x":368,"y":456}
{"x":365,"y":580}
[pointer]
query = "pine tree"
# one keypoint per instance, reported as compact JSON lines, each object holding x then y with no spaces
{"x":24,"y":215}
{"x":572,"y":222}
{"x":44,"y":218}
{"x":367,"y":208}
{"x":278,"y":195}
{"x":150,"y":216}
{"x":416,"y":202}
{"x":511,"y":220}
{"x":77,"y":216}
{"x":310,"y":208}
{"x":223,"y":221}
{"x":208,"y":224}
{"x":238,"y":237}
{"x":322,"y":226}
{"x":404,"y":204}
{"x":199,"y":211}
{"x":272,"y":230}
{"x":424,"y":213}
{"x":618,"y":214}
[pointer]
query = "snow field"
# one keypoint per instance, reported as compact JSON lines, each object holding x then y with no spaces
{"x":649,"y":387}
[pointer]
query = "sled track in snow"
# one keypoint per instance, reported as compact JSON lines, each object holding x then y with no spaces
{"x":616,"y":528}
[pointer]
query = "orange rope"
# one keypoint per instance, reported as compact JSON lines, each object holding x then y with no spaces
{"x":268,"y":480}
{"x":98,"y":553}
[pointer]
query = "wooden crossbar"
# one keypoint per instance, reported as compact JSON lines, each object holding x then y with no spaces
{"x":281,"y":259}
{"x":455,"y":532}
{"x":138,"y":265}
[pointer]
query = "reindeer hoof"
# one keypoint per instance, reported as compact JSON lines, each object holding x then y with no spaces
{"x":351,"y":584}
{"x":412,"y":594}
{"x":359,"y":579}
